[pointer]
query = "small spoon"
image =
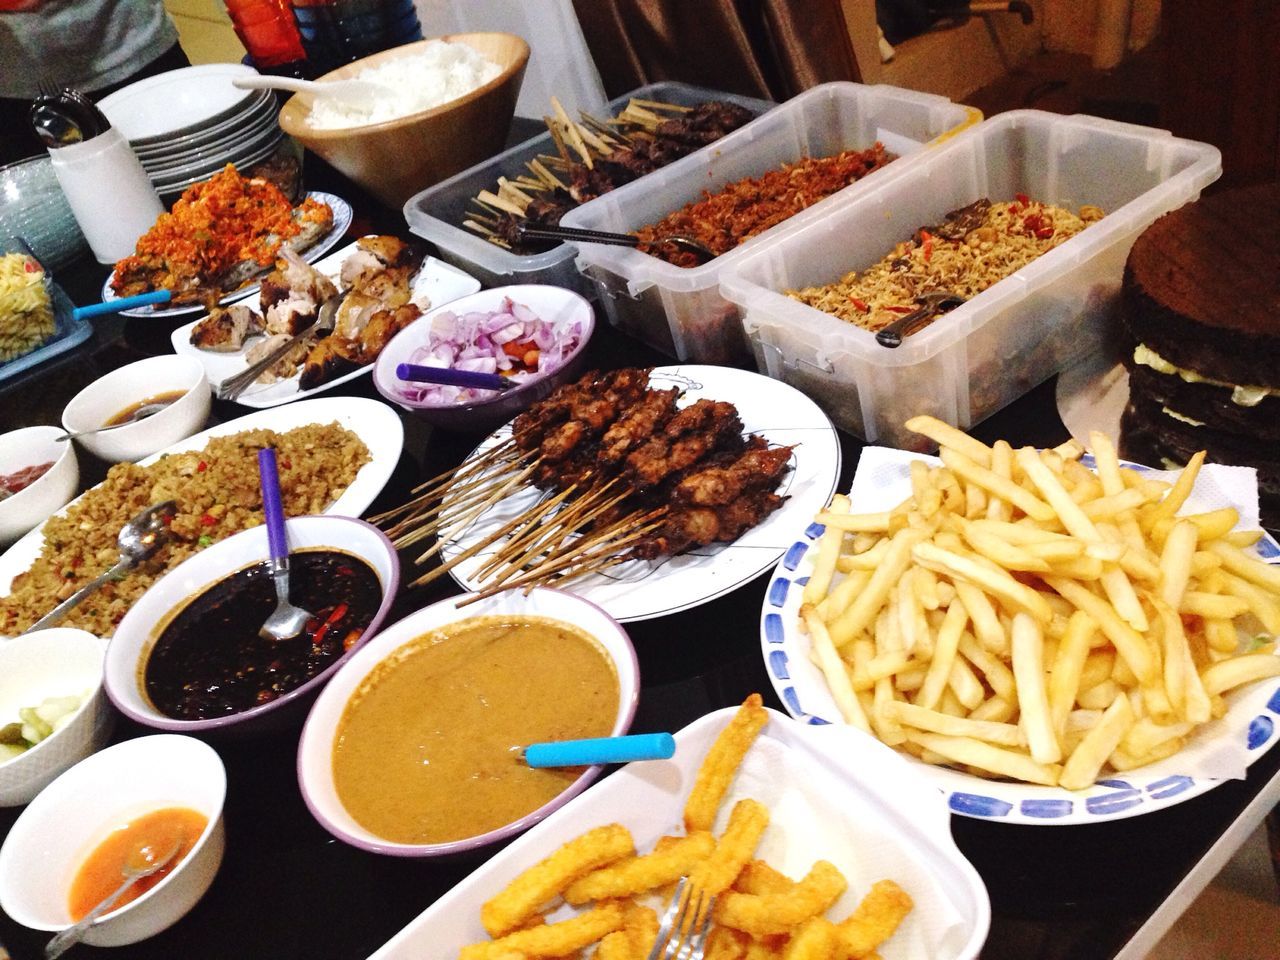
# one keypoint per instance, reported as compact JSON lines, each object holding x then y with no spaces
{"x":139,"y":539}
{"x":143,"y":861}
{"x":688,"y":244}
{"x":286,"y":621}
{"x":358,"y":92}
{"x":144,"y":411}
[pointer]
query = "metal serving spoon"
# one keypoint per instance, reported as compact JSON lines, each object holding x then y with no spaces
{"x":688,"y":244}
{"x":358,"y":92}
{"x":139,"y":539}
{"x":144,"y":411}
{"x":143,"y":860}
{"x":286,"y":621}
{"x":931,"y":304}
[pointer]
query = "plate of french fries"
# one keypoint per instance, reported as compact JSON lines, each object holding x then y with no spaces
{"x":1053,"y":636}
{"x":816,"y":843}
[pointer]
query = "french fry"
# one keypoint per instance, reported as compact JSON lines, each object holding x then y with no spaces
{"x":1129,"y":643}
{"x":933,"y":721}
{"x":833,"y":669}
{"x":1175,"y":561}
{"x":1081,"y":768}
{"x":997,"y":486}
{"x":998,"y":676}
{"x":837,"y":601}
{"x":944,"y":653}
{"x":817,"y":939}
{"x":1261,"y":604}
{"x":1234,"y":560}
{"x":999,"y":584}
{"x":1068,"y":664}
{"x":721,"y":764}
{"x":1228,"y":674}
{"x":984,"y":756}
{"x":1181,"y":489}
{"x":947,"y":436}
{"x":1033,"y":699}
{"x":868,"y":603}
{"x":1197,"y":603}
{"x":824,"y":565}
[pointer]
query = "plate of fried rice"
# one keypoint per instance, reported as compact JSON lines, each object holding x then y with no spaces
{"x":335,"y":454}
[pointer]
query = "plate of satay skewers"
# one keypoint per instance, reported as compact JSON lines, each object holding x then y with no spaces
{"x":646,"y":491}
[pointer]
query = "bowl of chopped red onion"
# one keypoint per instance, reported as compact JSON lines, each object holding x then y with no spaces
{"x":531,"y":335}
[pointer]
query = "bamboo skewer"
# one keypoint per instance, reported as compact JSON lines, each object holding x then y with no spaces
{"x":471,"y":515}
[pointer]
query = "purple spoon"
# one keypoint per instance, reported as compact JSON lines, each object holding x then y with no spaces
{"x":451,"y":377}
{"x":286,"y":621}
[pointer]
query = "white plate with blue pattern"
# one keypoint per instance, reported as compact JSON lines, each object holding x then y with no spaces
{"x":1253,"y":718}
{"x":642,"y":589}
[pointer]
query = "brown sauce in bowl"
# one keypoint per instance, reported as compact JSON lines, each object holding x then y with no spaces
{"x":123,"y":416}
{"x":209,"y":660}
{"x":427,"y":748}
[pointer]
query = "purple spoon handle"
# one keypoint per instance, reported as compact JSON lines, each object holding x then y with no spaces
{"x":452,"y":377}
{"x":271,"y":505}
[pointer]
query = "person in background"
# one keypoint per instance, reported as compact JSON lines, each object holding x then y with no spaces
{"x":97,"y":46}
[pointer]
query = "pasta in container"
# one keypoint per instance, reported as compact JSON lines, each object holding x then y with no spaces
{"x":26,"y":310}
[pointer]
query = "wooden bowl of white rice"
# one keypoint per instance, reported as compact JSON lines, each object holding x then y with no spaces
{"x":455,"y":98}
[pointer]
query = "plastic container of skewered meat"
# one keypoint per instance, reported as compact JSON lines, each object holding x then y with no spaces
{"x":680,"y":310}
{"x":989,"y":351}
{"x":437,"y":213}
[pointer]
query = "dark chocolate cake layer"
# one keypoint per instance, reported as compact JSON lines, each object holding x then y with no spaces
{"x":1163,"y":445}
{"x":1208,"y":403}
{"x":1202,"y":287}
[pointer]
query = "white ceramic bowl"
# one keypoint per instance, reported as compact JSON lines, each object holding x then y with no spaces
{"x":555,"y":305}
{"x":58,"y":662}
{"x":75,"y":813}
{"x":136,"y":633}
{"x":108,"y":395}
{"x":28,"y":508}
{"x":315,"y":749}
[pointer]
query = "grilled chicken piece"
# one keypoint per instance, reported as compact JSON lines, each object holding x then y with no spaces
{"x":324,"y":362}
{"x":292,"y":294}
{"x":374,"y":256}
{"x":286,"y":366}
{"x":291,"y":316}
{"x":382,"y":326}
{"x":225,"y":329}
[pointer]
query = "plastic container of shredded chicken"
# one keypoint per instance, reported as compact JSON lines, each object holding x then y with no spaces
{"x":1049,"y":314}
{"x":679,"y":310}
{"x":437,"y":213}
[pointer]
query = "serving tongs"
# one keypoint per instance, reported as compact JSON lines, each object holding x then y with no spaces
{"x":326,"y":319}
{"x":931,"y":305}
{"x":687,"y":244}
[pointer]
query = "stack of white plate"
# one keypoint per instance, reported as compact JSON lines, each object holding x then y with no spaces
{"x":186,"y":125}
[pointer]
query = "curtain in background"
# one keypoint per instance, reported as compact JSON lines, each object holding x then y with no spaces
{"x":761,"y":48}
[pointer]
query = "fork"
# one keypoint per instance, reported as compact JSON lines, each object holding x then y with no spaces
{"x":682,"y":933}
{"x":326,"y":318}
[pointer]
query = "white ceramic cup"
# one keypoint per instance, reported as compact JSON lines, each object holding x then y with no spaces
{"x":109,"y":192}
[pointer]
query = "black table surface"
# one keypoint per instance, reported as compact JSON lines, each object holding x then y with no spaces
{"x":288,"y":890}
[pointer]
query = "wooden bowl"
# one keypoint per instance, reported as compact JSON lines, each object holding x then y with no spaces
{"x":396,"y":159}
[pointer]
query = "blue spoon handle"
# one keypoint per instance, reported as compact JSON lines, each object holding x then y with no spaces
{"x":124,"y":303}
{"x":451,"y":377}
{"x":581,"y":753}
{"x":271,"y":505}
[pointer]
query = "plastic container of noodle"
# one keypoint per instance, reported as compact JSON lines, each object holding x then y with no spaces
{"x":984,"y":354}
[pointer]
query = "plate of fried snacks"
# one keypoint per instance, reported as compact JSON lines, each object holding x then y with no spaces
{"x":334,"y":456}
{"x":815,"y":842}
{"x":221,"y":235}
{"x":388,"y":285}
{"x":1052,"y":636}
{"x":645,"y":491}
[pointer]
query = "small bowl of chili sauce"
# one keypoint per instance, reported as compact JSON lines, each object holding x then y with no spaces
{"x":188,"y":656}
{"x":38,"y":476}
